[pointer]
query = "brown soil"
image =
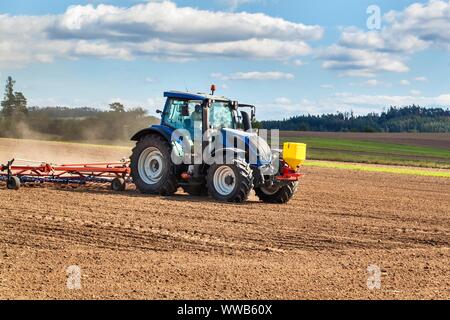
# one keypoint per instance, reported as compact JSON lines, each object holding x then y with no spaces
{"x":317,"y":247}
{"x":437,"y":140}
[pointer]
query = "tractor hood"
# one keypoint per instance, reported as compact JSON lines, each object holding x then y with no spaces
{"x":259,"y":151}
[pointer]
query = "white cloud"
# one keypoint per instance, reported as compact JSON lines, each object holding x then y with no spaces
{"x":254,"y":75}
{"x":358,"y":73}
{"x":294,"y":63}
{"x":359,"y":62}
{"x":383,"y":40}
{"x":252,"y":48}
{"x":327,"y":86}
{"x":283,"y":101}
{"x":426,"y":24}
{"x":416,"y":79}
{"x":372,"y":83}
{"x":100,"y":49}
{"x":22,"y":40}
{"x":416,"y":28}
{"x":155,"y":29}
{"x":298,"y":63}
{"x":165,"y":20}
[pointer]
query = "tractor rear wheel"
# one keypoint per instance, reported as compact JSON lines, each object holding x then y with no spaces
{"x":230,"y":183}
{"x":151,"y":166}
{"x":277,"y":195}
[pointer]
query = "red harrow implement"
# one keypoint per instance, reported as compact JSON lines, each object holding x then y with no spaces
{"x":117,"y":174}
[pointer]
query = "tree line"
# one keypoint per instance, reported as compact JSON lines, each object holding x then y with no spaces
{"x":395,"y":119}
{"x":118,"y":123}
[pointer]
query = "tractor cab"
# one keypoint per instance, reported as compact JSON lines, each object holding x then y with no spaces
{"x":188,"y":111}
{"x":197,"y":113}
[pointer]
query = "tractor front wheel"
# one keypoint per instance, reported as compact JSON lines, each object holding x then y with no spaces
{"x":152,"y":167}
{"x":230,"y":183}
{"x":278,"y":195}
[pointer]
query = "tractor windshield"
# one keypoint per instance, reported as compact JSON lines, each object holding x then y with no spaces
{"x":221,"y":115}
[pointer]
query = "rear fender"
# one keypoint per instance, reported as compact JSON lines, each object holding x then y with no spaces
{"x":163,"y":131}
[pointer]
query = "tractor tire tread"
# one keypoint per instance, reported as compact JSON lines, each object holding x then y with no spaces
{"x":170,"y":185}
{"x":242,"y":192}
{"x":282,"y":196}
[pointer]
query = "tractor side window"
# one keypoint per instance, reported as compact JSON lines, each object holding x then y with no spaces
{"x":184,"y":114}
{"x":221,"y":116}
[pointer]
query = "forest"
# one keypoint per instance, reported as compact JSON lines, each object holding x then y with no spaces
{"x":395,"y":119}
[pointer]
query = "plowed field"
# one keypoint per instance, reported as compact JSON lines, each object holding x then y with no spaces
{"x":132,"y":246}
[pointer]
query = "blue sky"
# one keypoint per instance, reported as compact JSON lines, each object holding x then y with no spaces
{"x":287,"y":57}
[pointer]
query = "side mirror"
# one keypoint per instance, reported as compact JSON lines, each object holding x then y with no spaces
{"x":246,"y":121}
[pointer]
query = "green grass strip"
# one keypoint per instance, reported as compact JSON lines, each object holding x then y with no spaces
{"x":368,"y":168}
{"x":343,"y":145}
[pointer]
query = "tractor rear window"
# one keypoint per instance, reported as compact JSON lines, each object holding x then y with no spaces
{"x":184,"y":114}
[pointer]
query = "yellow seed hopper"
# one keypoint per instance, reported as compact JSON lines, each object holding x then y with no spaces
{"x":294,"y":154}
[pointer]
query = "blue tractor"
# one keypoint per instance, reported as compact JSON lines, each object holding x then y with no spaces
{"x":164,"y":160}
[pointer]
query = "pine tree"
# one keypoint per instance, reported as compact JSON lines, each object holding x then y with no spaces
{"x":8,"y":103}
{"x":20,"y":103}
